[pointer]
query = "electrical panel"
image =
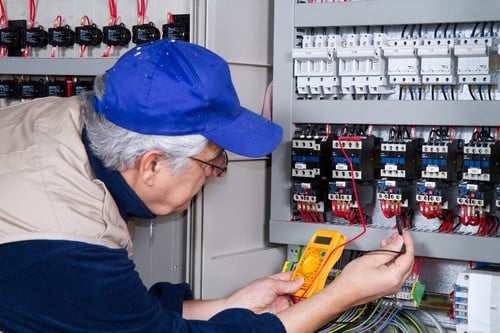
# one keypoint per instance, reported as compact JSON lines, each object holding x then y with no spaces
{"x":476,"y":300}
{"x":56,"y":48}
{"x":390,"y":112}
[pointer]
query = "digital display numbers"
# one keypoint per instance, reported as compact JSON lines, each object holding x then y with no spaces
{"x":322,"y":240}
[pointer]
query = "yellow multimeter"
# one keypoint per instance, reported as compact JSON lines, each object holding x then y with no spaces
{"x":320,"y":255}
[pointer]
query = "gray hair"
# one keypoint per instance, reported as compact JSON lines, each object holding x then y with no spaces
{"x":119,"y":148}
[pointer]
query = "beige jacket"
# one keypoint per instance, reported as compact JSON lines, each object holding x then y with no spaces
{"x":47,"y":187}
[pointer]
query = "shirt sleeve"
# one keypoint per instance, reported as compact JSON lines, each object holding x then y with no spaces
{"x":65,"y":286}
{"x":171,"y":296}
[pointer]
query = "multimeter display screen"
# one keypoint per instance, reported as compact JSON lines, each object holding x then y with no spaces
{"x":322,"y":240}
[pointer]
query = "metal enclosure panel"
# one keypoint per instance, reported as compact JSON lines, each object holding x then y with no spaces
{"x":241,"y":31}
{"x":230,"y":229}
{"x":235,"y":229}
{"x":387,"y":12}
{"x":159,"y":249}
{"x":287,"y":110}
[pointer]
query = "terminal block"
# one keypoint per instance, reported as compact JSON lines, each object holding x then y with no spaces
{"x":475,"y":201}
{"x":395,"y":196}
{"x":401,"y":159}
{"x":442,"y":160}
{"x":309,"y":199}
{"x":482,"y":161}
{"x":434,"y":197}
{"x":362,"y":152}
{"x":310,"y":156}
{"x":342,"y":198}
{"x":411,"y":293}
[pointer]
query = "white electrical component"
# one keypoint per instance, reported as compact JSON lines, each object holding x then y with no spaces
{"x":476,"y":303}
{"x":403,"y":65}
{"x":438,"y":63}
{"x":315,"y":67}
{"x":475,"y":61}
{"x":362,"y":67}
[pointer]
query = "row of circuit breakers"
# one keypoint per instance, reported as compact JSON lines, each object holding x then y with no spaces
{"x":446,"y":61}
{"x":336,"y":171}
{"x":17,"y":35}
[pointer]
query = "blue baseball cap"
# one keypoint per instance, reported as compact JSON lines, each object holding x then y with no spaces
{"x":169,"y":87}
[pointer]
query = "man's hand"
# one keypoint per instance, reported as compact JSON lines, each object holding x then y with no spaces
{"x":266,"y":295}
{"x":364,"y":279}
{"x":376,"y":274}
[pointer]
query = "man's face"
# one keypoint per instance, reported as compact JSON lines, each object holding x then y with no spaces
{"x":170,"y":193}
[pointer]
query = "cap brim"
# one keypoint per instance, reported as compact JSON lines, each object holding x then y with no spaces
{"x":248,"y":135}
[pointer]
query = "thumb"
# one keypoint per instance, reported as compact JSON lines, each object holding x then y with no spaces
{"x":289,"y":287}
{"x":393,"y":245}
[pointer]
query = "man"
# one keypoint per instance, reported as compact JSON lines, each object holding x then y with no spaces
{"x":142,"y":144}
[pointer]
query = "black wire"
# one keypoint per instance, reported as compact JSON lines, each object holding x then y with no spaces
{"x":432,"y":92}
{"x":444,"y":93}
{"x":483,"y":29}
{"x":472,"y":94}
{"x":411,"y":93}
{"x":436,"y":31}
{"x":420,"y":93}
{"x":412,"y":30}
{"x":430,"y":136}
{"x":480,"y":92}
{"x":403,"y":31}
{"x":473,"y":33}
{"x":388,"y":251}
{"x":446,"y":29}
{"x":489,"y":92}
{"x":455,"y":30}
{"x":400,"y":93}
{"x":452,"y":89}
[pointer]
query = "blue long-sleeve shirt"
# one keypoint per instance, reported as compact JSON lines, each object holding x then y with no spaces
{"x":67,"y":286}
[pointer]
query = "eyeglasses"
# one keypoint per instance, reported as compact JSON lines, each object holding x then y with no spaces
{"x":219,"y":163}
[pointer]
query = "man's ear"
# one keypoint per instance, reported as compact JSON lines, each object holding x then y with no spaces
{"x":148,"y":166}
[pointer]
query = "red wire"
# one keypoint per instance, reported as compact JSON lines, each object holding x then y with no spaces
{"x":3,"y":18}
{"x":354,"y":187}
{"x":31,"y":23}
{"x":113,"y":20}
{"x":32,"y":14}
{"x":112,"y":12}
{"x":141,"y":11}
{"x":170,"y":18}
{"x":4,"y":23}
{"x":84,"y":21}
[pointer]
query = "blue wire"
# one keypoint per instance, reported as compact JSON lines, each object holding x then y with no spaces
{"x":389,"y":320}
